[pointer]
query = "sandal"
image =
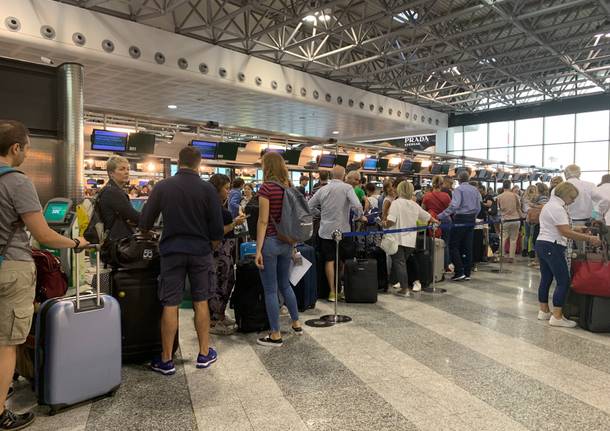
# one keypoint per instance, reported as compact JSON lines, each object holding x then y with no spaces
{"x":268,"y":341}
{"x":297,"y":331}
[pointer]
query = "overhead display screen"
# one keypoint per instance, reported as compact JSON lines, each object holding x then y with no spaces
{"x":107,"y":140}
{"x":406,"y":166}
{"x":227,"y":151}
{"x":327,"y":160}
{"x":341,"y":160}
{"x":292,"y":156}
{"x":382,"y":164}
{"x":435,"y":168}
{"x":142,"y":143}
{"x":206,"y":148}
{"x":370,"y":164}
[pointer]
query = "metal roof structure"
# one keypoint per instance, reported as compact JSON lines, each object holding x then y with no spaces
{"x":448,"y":55}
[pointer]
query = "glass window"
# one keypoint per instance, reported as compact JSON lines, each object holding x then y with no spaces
{"x":592,"y":156}
{"x":529,"y":155}
{"x":479,"y":154}
{"x":501,"y":154}
{"x":592,"y":126}
{"x":528,"y":132}
{"x":594,"y":176}
{"x":558,"y":156}
{"x":475,"y":136}
{"x":501,"y":134}
{"x":455,"y":139}
{"x":559,"y":129}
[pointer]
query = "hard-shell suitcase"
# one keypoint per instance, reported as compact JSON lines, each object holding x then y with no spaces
{"x":136,"y":292}
{"x":360,"y":280}
{"x":421,"y":260}
{"x":306,"y":290}
{"x":248,"y":299}
{"x":595,"y":314}
{"x":78,"y":348}
{"x":377,"y":254}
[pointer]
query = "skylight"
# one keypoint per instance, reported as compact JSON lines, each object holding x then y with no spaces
{"x":407,"y":16}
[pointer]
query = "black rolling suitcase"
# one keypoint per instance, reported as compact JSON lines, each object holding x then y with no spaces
{"x":360,"y":280}
{"x":421,"y":260}
{"x":595,"y":313}
{"x":306,"y":291}
{"x":136,"y":292}
{"x":377,"y":254}
{"x":248,"y":298}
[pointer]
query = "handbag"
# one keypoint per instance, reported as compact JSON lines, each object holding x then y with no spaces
{"x":137,"y":251}
{"x":591,"y":275}
{"x":389,"y":244}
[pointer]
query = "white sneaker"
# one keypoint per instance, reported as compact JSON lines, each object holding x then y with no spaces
{"x":451,"y":267}
{"x":544,"y":316}
{"x":563,"y":322}
{"x":284,"y":311}
{"x":396,"y":286}
{"x":416,"y":286}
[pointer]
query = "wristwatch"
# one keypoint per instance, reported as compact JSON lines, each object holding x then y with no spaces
{"x":76,"y":243}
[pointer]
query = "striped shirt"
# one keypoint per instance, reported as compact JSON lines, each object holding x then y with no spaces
{"x":275,"y":195}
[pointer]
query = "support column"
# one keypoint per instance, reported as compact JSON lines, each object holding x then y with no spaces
{"x":71,"y":125}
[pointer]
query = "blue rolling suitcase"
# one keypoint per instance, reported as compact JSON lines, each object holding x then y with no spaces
{"x":306,"y":290}
{"x":78,"y":348}
{"x":247,"y":249}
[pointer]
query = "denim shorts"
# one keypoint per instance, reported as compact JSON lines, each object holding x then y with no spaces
{"x":200,"y":270}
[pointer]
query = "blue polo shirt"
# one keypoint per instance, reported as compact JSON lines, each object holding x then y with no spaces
{"x":192,"y":214}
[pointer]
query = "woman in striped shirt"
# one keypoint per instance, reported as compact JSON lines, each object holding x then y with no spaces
{"x":273,"y":255}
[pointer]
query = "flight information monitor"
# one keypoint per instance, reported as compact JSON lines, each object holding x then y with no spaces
{"x":107,"y":140}
{"x":327,"y":160}
{"x":435,"y":168}
{"x":406,"y":167}
{"x":292,"y":156}
{"x":382,"y":164}
{"x":206,"y":148}
{"x":369,"y":164}
{"x":445,"y":169}
{"x":227,"y":151}
{"x":142,"y":143}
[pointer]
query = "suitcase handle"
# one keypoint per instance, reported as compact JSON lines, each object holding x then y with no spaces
{"x":97,"y":294}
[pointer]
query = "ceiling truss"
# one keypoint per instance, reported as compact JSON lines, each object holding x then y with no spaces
{"x":448,"y":55}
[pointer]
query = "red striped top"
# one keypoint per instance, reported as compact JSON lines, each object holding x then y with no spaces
{"x":275,"y":195}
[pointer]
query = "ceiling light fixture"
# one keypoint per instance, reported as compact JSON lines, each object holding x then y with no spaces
{"x":335,"y":132}
{"x":310,"y":18}
{"x":172,"y":107}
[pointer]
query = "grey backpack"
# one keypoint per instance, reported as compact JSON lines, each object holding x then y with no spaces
{"x":296,"y":224}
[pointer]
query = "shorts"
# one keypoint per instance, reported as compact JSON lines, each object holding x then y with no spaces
{"x":200,"y":270}
{"x":328,"y":250}
{"x":17,"y":291}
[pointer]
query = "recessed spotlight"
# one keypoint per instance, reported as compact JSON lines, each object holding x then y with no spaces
{"x":172,"y":107}
{"x":335,"y":132}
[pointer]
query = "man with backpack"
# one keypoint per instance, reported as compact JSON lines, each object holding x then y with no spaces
{"x":19,"y":209}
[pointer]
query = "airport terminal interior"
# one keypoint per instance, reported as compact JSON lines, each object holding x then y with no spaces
{"x":472,"y":135}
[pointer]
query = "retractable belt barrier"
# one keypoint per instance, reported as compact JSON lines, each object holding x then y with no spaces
{"x":415,"y":229}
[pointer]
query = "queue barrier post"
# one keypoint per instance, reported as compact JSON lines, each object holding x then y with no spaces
{"x":501,"y":270}
{"x":332,"y":319}
{"x":433,"y":289}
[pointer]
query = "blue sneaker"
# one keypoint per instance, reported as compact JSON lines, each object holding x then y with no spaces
{"x":204,"y":361}
{"x":165,"y":368}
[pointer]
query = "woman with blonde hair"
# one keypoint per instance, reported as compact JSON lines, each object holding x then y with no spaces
{"x":273,"y":255}
{"x":555,"y":231}
{"x":529,"y":197}
{"x":404,"y":213}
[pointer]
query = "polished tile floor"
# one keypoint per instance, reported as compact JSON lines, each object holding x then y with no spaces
{"x":474,"y":358}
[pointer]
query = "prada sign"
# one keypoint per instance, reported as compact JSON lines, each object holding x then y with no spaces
{"x":420,"y":142}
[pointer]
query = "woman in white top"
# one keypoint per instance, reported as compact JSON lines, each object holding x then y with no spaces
{"x":555,"y":230}
{"x":404,"y":213}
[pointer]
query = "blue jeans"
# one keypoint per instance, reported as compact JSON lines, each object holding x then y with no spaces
{"x":276,"y":276}
{"x":552,"y":265}
{"x":461,"y":244}
{"x":446,"y":236}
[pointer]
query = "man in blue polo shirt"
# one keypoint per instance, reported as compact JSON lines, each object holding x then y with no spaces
{"x":464,"y":207}
{"x":192,"y":227}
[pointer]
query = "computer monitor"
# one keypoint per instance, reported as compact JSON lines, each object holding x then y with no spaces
{"x":445,"y":169}
{"x":406,"y":167}
{"x":518,"y":177}
{"x":227,"y":151}
{"x":206,"y":148}
{"x":141,"y":143}
{"x":327,"y":160}
{"x":416,"y":167}
{"x":342,"y":160}
{"x":173,"y":169}
{"x":292,"y":157}
{"x":435,"y":169}
{"x":56,"y":211}
{"x":107,"y":140}
{"x":382,"y":164}
{"x":369,"y":164}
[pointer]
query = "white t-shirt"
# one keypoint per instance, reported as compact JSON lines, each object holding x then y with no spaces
{"x":405,"y":213}
{"x":553,"y":214}
{"x":582,"y":207}
{"x":603,"y":207}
